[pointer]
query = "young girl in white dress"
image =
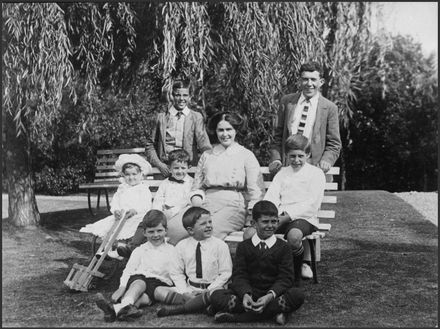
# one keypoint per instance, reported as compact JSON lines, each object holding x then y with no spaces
{"x":133,"y":196}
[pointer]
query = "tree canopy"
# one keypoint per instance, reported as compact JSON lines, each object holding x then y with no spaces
{"x":82,"y":76}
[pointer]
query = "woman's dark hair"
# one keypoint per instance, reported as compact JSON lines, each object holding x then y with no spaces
{"x":235,"y":120}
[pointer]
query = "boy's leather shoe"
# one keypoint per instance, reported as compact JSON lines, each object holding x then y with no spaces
{"x":129,"y":313}
{"x":124,"y":251}
{"x":224,"y":317}
{"x":106,"y":307}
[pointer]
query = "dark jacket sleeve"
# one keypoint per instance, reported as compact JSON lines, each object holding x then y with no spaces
{"x":201,"y":135}
{"x":284,"y":279}
{"x":332,"y":138}
{"x":240,"y":277}
{"x":151,"y":143}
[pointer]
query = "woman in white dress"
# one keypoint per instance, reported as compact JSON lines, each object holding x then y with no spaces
{"x":227,"y":182}
{"x":133,"y":196}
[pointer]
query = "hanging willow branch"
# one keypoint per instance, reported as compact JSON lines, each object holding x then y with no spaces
{"x":36,"y":66}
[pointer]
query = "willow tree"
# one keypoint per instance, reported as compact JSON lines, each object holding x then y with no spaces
{"x":345,"y":29}
{"x":37,"y":72}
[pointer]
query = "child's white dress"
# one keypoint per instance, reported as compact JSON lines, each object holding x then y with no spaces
{"x":127,"y":197}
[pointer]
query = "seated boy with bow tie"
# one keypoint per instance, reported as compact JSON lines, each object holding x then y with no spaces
{"x":171,"y":197}
{"x":262,"y":278}
{"x":204,"y":264}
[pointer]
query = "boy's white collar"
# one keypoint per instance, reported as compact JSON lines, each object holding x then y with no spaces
{"x":269,"y":242}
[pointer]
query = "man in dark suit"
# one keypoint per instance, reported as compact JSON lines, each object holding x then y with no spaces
{"x":311,"y":114}
{"x":178,"y":128}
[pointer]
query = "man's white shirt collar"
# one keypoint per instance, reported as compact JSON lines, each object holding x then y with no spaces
{"x":173,"y":111}
{"x":313,"y":100}
{"x":269,"y":242}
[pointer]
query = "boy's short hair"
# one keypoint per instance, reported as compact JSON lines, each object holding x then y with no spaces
{"x":191,"y":216}
{"x":179,"y":84}
{"x":297,"y":142}
{"x":264,"y":207}
{"x":153,"y":218}
{"x":178,"y":155}
{"x":311,"y":67}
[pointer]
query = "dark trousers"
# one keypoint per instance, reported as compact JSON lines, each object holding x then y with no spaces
{"x":226,"y":300}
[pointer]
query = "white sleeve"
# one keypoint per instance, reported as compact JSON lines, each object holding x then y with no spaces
{"x":177,"y":272}
{"x":224,"y":266}
{"x":115,"y":204}
{"x":309,"y":207}
{"x":197,"y":186}
{"x":273,"y":192}
{"x":145,"y":202}
{"x":254,"y":179}
{"x":131,"y":267}
{"x":159,"y":198}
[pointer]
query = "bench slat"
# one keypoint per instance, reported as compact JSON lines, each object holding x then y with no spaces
{"x":332,"y":171}
{"x":326,"y":213}
{"x":121,"y":151}
{"x":328,"y":186}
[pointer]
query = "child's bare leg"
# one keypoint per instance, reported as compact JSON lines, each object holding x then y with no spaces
{"x":133,"y":293}
{"x":168,"y":295}
{"x":144,"y":300}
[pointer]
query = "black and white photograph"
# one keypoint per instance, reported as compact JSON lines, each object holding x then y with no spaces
{"x":220,"y":164}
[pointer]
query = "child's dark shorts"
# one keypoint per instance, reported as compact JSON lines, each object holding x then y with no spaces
{"x":304,"y":226}
{"x":151,"y":283}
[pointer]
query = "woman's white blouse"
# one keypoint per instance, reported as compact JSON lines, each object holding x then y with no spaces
{"x":232,"y":167}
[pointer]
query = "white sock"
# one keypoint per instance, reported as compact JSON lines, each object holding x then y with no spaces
{"x":121,"y":305}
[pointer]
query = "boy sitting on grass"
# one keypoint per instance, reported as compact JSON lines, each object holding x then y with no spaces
{"x":145,"y":272}
{"x":262,"y":278}
{"x":204,"y":264}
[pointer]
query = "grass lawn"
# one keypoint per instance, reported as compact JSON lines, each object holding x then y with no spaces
{"x":379,"y":268}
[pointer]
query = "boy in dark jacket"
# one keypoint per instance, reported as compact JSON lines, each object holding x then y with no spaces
{"x":262,"y":276}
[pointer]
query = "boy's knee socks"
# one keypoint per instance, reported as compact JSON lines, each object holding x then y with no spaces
{"x":298,"y":256}
{"x":174,"y":298}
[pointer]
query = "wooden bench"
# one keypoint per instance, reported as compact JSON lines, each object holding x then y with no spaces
{"x":314,"y":238}
{"x":107,"y":178}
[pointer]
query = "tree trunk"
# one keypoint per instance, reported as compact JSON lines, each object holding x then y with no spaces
{"x":23,"y":210}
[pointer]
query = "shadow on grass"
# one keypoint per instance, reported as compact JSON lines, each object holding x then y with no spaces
{"x":379,"y":268}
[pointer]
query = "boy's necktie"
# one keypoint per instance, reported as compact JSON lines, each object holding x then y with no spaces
{"x":303,"y":119}
{"x":198,"y":261}
{"x":263,"y":246}
{"x":179,"y":114}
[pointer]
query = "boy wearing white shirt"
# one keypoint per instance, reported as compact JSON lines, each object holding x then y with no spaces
{"x":297,"y":190}
{"x":173,"y":193}
{"x":171,"y":197}
{"x":146,"y":270}
{"x":204,"y":264}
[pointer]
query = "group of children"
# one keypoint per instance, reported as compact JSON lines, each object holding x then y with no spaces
{"x":196,"y":275}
